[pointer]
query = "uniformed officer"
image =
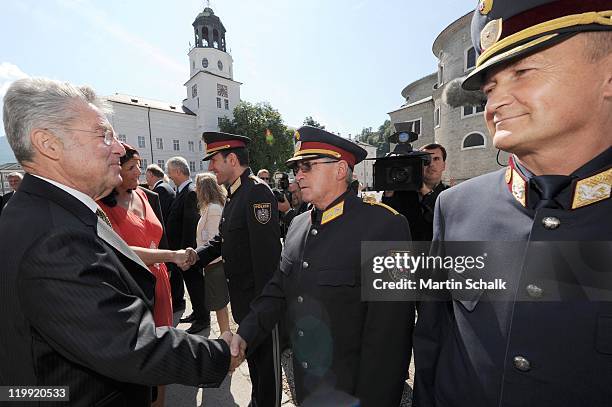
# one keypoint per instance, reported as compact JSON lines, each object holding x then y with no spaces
{"x":249,"y":243}
{"x":345,"y":351}
{"x":546,"y":68}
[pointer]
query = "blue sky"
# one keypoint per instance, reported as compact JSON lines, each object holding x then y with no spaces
{"x":342,"y":62}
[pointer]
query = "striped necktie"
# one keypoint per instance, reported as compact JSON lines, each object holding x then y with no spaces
{"x":103,"y":216}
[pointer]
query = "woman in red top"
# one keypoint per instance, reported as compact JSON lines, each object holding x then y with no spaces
{"x":133,"y":218}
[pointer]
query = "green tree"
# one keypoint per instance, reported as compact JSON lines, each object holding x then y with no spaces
{"x":309,"y":121}
{"x":271,"y":142}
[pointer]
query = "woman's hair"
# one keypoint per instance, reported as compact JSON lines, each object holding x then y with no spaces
{"x":110,"y":200}
{"x":208,"y":190}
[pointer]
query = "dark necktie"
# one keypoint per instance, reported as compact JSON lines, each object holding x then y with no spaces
{"x":103,"y":216}
{"x":548,"y":187}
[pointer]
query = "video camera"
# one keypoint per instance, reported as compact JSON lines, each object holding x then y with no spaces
{"x":402,"y":169}
{"x":281,"y":182}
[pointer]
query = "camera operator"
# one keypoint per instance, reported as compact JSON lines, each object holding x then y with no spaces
{"x":432,"y":186}
{"x":418,"y":206}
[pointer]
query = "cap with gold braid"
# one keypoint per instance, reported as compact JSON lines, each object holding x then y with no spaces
{"x":506,"y":29}
{"x":217,"y":141}
{"x":312,"y":142}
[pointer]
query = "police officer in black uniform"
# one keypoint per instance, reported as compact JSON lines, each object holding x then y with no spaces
{"x":346,"y":351}
{"x":249,"y":243}
{"x":546,"y":68}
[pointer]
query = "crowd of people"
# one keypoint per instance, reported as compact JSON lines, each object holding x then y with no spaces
{"x":95,"y":265}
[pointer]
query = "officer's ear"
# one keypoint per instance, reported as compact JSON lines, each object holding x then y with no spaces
{"x":342,"y":170}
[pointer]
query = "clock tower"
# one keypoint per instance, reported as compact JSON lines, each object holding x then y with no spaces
{"x":212,"y":92}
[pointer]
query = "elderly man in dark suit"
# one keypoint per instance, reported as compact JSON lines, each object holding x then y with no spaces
{"x":14,"y":179}
{"x":546,"y":69}
{"x":75,"y":301}
{"x":181,"y":228}
{"x":155,"y":180}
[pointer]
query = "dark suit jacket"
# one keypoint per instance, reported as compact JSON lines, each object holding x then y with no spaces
{"x":4,"y":200}
{"x":182,"y":220}
{"x":76,"y":305}
{"x":154,"y":201}
{"x":166,"y":197}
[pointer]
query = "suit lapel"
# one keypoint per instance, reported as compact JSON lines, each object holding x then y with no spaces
{"x":115,"y":241}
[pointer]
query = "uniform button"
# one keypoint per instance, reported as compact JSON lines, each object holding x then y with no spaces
{"x":534,"y":291}
{"x":227,"y":199}
{"x":222,"y":219}
{"x":521,"y":363}
{"x":314,"y":232}
{"x":551,"y":222}
{"x":305,"y":365}
{"x":222,"y":260}
{"x":300,"y":299}
{"x":227,"y":279}
{"x":300,"y":333}
{"x":305,"y":264}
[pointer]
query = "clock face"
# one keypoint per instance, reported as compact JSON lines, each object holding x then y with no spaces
{"x":204,"y":63}
{"x":220,"y":65}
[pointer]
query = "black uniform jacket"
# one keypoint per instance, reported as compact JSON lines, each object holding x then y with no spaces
{"x":552,"y":347}
{"x":76,"y":305}
{"x":248,"y":241}
{"x":341,"y":345}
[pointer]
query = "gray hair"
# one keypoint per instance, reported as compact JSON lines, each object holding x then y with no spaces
{"x":180,"y":164}
{"x":349,"y":176}
{"x":32,"y":103}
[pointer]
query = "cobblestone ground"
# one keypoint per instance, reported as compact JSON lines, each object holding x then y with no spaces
{"x":236,"y":389}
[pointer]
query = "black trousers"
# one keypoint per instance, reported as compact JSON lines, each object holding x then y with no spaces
{"x":177,"y":287}
{"x":265,"y":372}
{"x":194,"y":280}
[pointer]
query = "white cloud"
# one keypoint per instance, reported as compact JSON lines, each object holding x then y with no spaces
{"x":9,"y":73}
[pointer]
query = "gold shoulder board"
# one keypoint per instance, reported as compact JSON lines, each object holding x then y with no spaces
{"x":384,"y":206}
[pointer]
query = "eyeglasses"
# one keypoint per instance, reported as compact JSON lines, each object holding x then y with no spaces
{"x":265,"y":178}
{"x":306,"y":166}
{"x":108,"y":134}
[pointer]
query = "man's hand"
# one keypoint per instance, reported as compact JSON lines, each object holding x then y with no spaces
{"x":237,"y":349}
{"x":185,"y":259}
{"x":227,"y":337}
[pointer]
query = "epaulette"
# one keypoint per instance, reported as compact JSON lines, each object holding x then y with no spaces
{"x":256,"y":179}
{"x":384,"y":206}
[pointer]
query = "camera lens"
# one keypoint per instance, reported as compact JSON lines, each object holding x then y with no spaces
{"x":399,"y":174}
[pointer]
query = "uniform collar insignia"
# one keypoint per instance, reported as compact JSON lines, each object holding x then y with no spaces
{"x":516,"y":182}
{"x":592,"y":189}
{"x":332,"y":213}
{"x":232,"y":189}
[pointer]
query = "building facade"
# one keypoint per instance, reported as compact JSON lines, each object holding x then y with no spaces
{"x":161,"y":130}
{"x":460,"y":129}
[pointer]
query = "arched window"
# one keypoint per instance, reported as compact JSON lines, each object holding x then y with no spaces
{"x":470,"y":59}
{"x":215,"y":39}
{"x":473,"y":140}
{"x":205,"y":38}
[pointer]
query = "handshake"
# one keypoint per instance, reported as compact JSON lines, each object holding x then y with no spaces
{"x":185,"y":259}
{"x":237,"y":347}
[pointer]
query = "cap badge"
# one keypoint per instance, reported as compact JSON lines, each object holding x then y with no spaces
{"x":485,"y":6}
{"x":298,"y":146}
{"x":490,"y":34}
{"x":297,"y":135}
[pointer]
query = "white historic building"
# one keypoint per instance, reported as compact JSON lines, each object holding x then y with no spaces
{"x":160,"y":130}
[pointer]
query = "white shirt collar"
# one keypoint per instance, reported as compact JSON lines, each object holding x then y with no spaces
{"x":183,"y":185}
{"x":87,"y":200}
